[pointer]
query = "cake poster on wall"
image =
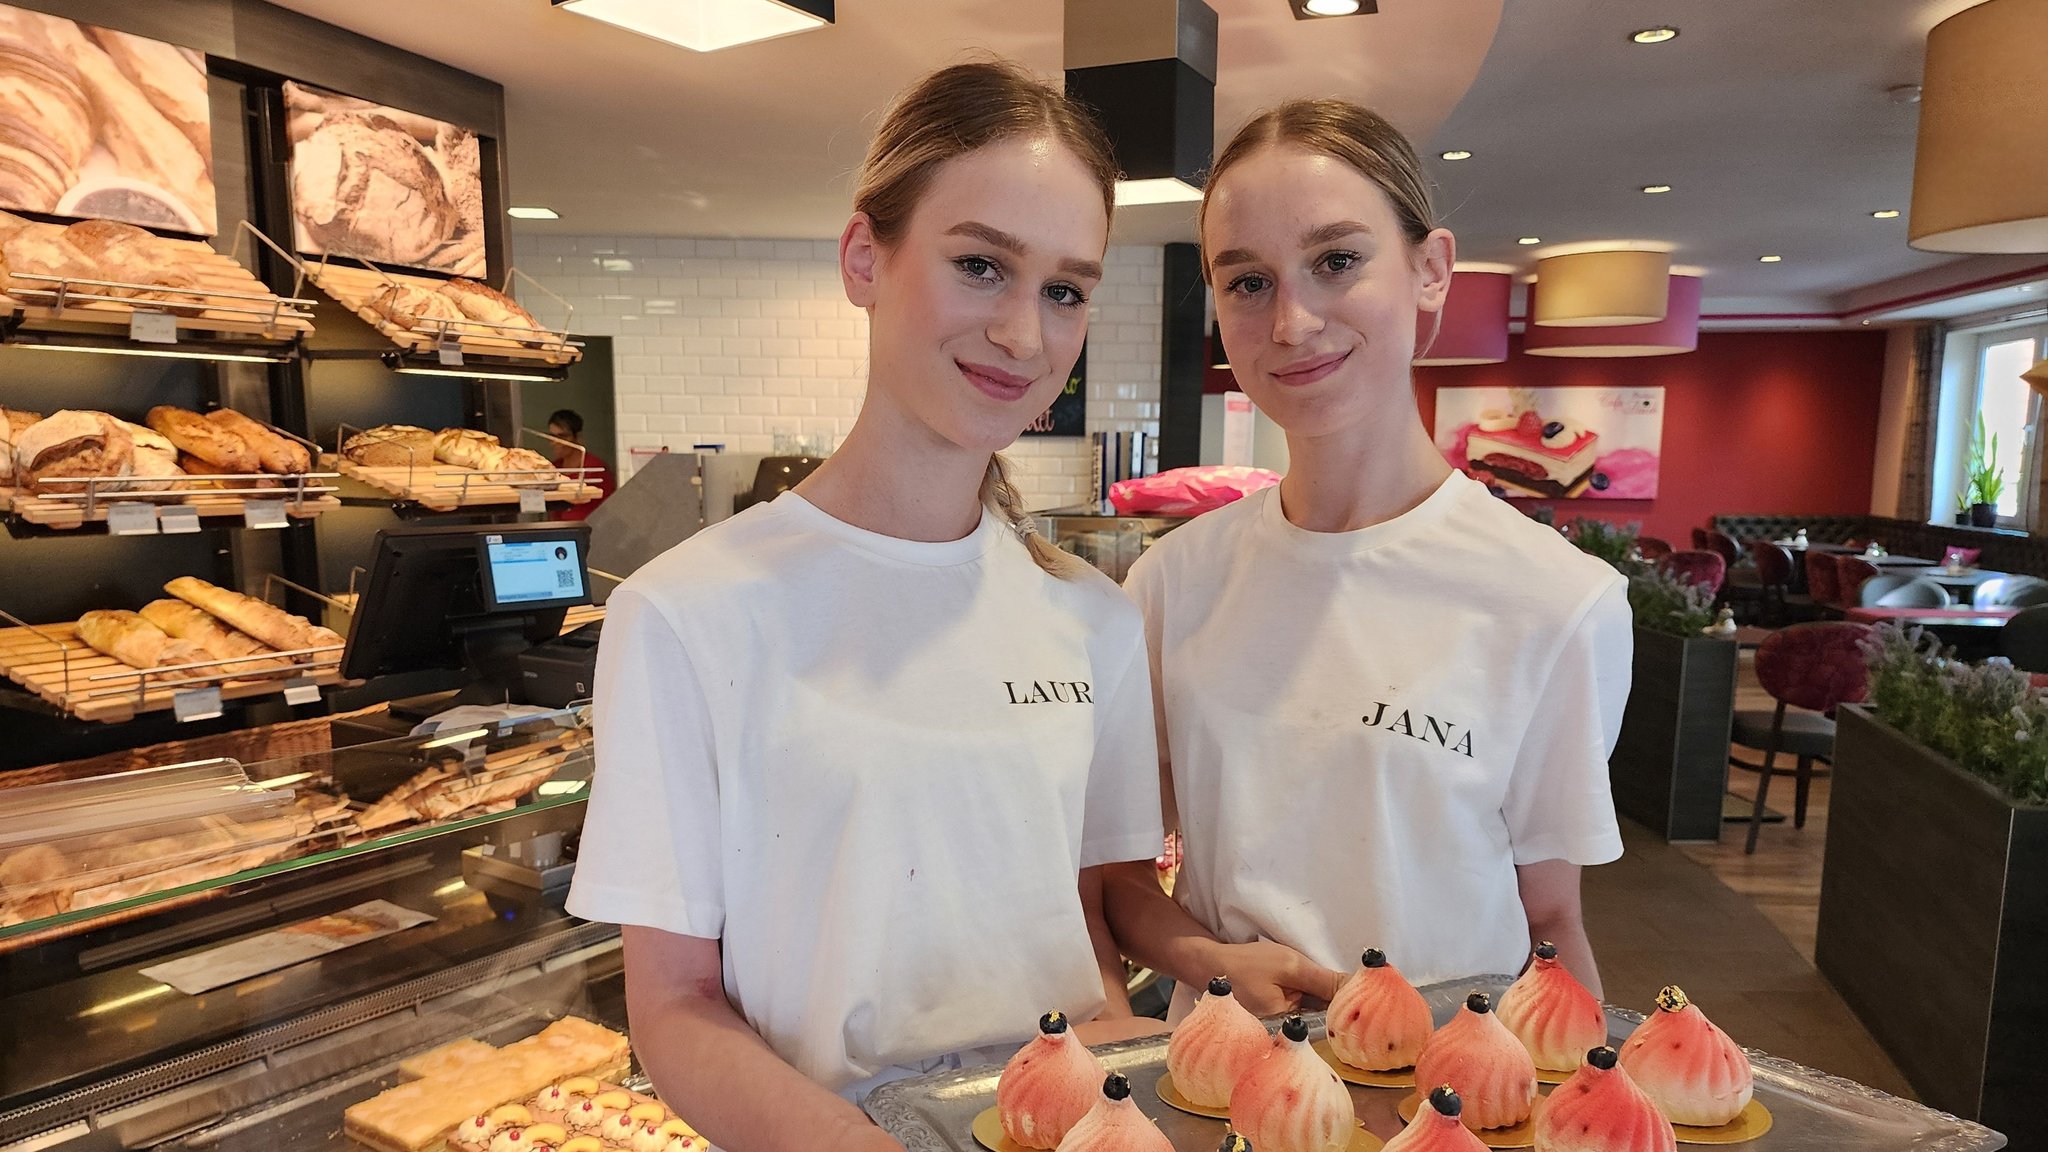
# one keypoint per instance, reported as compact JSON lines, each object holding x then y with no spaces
{"x":1068,"y":414}
{"x":383,"y":185}
{"x":97,"y":124}
{"x":1591,"y":443}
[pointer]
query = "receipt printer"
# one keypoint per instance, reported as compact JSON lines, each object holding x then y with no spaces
{"x":561,"y":671}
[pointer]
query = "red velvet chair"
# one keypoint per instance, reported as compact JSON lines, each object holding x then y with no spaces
{"x":1850,"y":573}
{"x":1724,"y":544}
{"x":1702,"y":570}
{"x":1699,"y":539}
{"x":1774,"y":578}
{"x":1814,"y":668}
{"x":1651,"y":548}
{"x":1820,"y":577}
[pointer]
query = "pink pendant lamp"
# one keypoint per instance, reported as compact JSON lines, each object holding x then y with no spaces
{"x":1678,"y":331}
{"x":1474,"y":322}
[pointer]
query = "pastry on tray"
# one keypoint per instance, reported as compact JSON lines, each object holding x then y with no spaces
{"x":1378,"y":1021}
{"x":1216,"y":1045}
{"x":1048,"y":1085}
{"x":1696,"y":1075}
{"x":1437,"y":1127}
{"x":1600,"y":1109}
{"x":1114,"y":1124}
{"x":1484,"y":1064}
{"x":1291,"y":1101}
{"x":1553,"y":1015}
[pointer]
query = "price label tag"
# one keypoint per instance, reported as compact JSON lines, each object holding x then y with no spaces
{"x":131,"y":518}
{"x":196,"y":703}
{"x":301,"y":690}
{"x":177,"y":519}
{"x":532,"y":500}
{"x":263,"y":514}
{"x":153,"y":327}
{"x":451,"y":352}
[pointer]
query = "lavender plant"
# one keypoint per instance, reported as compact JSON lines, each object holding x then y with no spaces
{"x":1986,"y":717}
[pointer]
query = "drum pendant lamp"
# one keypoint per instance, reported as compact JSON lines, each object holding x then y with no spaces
{"x":1472,"y":327}
{"x":1678,"y":331}
{"x":1602,"y":289}
{"x":1980,"y":174}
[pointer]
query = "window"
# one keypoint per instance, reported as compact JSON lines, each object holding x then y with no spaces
{"x":1982,"y":381}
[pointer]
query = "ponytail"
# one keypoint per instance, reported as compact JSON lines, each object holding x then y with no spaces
{"x":1000,"y":496}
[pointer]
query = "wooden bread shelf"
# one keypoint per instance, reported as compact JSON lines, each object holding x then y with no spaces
{"x":87,"y":505}
{"x":228,"y":301}
{"x":447,"y":487}
{"x":52,"y":662}
{"x":355,"y":288}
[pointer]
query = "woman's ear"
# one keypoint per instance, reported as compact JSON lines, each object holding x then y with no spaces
{"x":859,"y":254}
{"x":1438,"y":254}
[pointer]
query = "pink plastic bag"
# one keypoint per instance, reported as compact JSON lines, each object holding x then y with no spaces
{"x":1189,"y":491}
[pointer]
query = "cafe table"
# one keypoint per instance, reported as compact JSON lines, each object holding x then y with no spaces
{"x":1973,"y":633}
{"x":1961,"y":583}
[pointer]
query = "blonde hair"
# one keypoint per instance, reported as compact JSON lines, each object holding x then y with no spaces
{"x":949,"y":114}
{"x":1349,"y":132}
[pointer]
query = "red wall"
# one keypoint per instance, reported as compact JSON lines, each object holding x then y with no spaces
{"x":1753,"y":422}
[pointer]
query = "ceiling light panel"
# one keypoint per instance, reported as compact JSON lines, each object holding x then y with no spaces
{"x":1654,"y":35}
{"x":707,"y":25}
{"x":1159,"y":191}
{"x":1326,"y":9}
{"x":533,"y":213}
{"x":1456,"y":154}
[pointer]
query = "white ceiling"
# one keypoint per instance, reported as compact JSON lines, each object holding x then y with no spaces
{"x":1768,"y":117}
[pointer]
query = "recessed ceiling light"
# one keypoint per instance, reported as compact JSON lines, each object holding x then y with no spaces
{"x":533,"y":214}
{"x":1885,"y":214}
{"x":707,"y":25}
{"x":1530,"y":240}
{"x":1162,"y":190}
{"x":1656,"y":189}
{"x":1769,"y":259}
{"x":1655,"y":35}
{"x":1457,"y":154}
{"x":1332,"y":7}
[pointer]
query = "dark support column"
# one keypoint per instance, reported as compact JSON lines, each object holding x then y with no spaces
{"x":1184,"y":348}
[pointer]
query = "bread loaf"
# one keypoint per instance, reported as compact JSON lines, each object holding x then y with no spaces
{"x":153,"y":471}
{"x":138,"y":260}
{"x":410,"y":307}
{"x":200,"y":474}
{"x":13,"y":422}
{"x":279,"y":455}
{"x":41,"y":250}
{"x":183,"y":621}
{"x":463,"y":447}
{"x":72,"y":443}
{"x":391,"y":446}
{"x":138,"y":643}
{"x":518,"y":466}
{"x":197,"y":437}
{"x":487,"y":305}
{"x":266,"y":622}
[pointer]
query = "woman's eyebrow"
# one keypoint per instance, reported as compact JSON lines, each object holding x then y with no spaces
{"x":1015,"y":246}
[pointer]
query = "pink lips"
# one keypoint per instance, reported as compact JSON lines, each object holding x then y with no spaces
{"x":1305,"y":372}
{"x":994,"y":382}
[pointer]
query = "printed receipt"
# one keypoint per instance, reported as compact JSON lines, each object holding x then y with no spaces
{"x":285,"y":947}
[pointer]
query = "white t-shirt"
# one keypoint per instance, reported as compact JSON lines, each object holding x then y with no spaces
{"x":873,"y":767}
{"x":1369,"y":730}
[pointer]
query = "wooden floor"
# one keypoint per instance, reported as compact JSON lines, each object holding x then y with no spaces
{"x":1736,"y":932}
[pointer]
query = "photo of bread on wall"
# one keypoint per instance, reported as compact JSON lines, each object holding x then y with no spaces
{"x":383,"y":185}
{"x":103,"y":125}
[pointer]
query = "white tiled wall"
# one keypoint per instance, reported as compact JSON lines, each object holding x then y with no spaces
{"x":733,"y":341}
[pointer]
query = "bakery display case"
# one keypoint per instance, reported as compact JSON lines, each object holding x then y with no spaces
{"x":458,"y":468}
{"x":1097,"y":534}
{"x":457,"y":327}
{"x":221,"y":955}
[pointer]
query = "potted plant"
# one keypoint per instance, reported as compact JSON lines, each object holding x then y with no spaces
{"x":1670,"y":764}
{"x":1987,"y":479}
{"x":1963,"y":504}
{"x":1934,"y":886}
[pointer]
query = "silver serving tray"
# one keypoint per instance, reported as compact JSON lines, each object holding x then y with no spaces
{"x":1813,"y":1111}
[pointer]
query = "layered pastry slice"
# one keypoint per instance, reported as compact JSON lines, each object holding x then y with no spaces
{"x":1048,"y":1085}
{"x":1542,"y":457}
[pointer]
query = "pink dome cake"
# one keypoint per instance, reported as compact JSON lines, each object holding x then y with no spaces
{"x":1483,"y":1063}
{"x":1291,"y":1101}
{"x":1214,"y":1046}
{"x":1601,"y":1110}
{"x":1378,"y":1021}
{"x":1553,"y":1015}
{"x":1114,"y":1124}
{"x":1048,"y":1085}
{"x":1436,"y":1127}
{"x":1690,"y":1069}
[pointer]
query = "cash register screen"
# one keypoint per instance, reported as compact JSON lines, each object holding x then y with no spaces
{"x":533,"y":572}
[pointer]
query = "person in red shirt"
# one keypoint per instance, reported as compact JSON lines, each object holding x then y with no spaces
{"x":567,"y":424}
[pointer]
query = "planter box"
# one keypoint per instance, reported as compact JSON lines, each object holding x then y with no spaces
{"x":1670,"y":766}
{"x":1934,"y":925}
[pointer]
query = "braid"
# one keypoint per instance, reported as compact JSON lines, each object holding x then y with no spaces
{"x":1000,"y":496}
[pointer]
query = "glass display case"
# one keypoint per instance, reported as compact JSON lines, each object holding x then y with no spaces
{"x":1097,"y":534}
{"x":230,"y":956}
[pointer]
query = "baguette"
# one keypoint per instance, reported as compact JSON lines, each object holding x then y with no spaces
{"x":193,"y":466}
{"x":487,"y":305}
{"x":198,"y":437}
{"x":137,"y":643}
{"x":279,"y":455}
{"x":266,"y":622}
{"x":182,"y":621}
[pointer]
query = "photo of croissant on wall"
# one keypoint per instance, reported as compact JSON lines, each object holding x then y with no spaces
{"x":103,"y":125}
{"x":384,"y":185}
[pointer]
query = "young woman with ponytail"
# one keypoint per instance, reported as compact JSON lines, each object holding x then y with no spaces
{"x":864,"y":750}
